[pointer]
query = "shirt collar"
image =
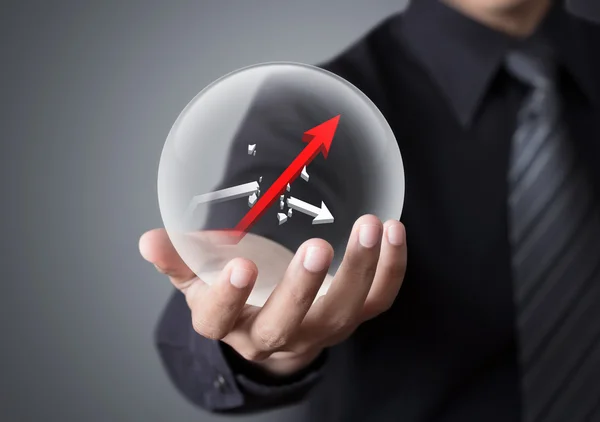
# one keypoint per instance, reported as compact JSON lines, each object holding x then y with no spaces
{"x":463,"y":56}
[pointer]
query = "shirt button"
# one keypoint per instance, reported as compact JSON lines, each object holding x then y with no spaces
{"x":219,"y":383}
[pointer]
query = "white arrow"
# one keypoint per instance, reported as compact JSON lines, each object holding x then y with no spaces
{"x":223,"y":195}
{"x":322,"y":215}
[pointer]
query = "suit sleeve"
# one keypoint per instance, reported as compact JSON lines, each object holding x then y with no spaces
{"x":207,"y":372}
{"x":212,"y":376}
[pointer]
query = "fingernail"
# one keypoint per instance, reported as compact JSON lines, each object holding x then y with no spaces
{"x":369,"y":235}
{"x":316,"y":259}
{"x":240,"y":277}
{"x":395,"y":234}
{"x":160,"y":270}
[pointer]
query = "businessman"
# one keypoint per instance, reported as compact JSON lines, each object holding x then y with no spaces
{"x":494,"y":313}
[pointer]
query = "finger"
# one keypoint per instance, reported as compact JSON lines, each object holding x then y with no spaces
{"x":390,"y":270}
{"x":156,"y":247}
{"x":285,"y":309}
{"x":344,"y":301}
{"x":216,"y":308}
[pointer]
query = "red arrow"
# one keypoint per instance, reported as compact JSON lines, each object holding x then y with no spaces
{"x":319,"y":141}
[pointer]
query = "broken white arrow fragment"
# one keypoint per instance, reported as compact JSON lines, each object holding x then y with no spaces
{"x":281,"y":217}
{"x":322,"y":215}
{"x":304,"y":174}
{"x":252,"y":199}
{"x":235,"y":192}
{"x":251,"y":149}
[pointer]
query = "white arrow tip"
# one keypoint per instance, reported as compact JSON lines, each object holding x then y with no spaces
{"x":324,"y":216}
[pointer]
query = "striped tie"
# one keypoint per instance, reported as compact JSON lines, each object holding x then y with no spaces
{"x":555,"y":238}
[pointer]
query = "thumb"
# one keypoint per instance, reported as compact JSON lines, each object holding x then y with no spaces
{"x":156,"y":248}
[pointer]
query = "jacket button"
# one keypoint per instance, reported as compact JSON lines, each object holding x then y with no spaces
{"x":219,"y":383}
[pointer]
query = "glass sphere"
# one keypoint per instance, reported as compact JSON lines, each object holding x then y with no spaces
{"x":269,"y":156}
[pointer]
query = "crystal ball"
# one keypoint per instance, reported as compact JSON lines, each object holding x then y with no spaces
{"x":269,"y":156}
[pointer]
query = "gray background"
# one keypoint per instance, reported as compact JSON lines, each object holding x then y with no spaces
{"x":89,"y":91}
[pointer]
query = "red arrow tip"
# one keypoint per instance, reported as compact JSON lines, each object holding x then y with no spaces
{"x":323,"y":134}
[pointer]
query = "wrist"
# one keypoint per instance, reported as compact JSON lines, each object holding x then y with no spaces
{"x":281,"y":365}
{"x":280,"y":369}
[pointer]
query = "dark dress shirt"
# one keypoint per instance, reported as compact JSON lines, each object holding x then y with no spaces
{"x":446,"y":350}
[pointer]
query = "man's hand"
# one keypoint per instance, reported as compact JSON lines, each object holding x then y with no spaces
{"x":292,"y":329}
